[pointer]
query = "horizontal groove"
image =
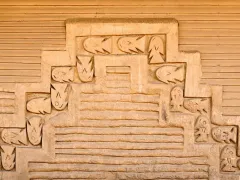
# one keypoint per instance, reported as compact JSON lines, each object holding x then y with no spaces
{"x":224,"y":75}
{"x":32,"y":29}
{"x":41,"y":167}
{"x":113,"y":123}
{"x":131,"y":160}
{"x":118,"y":145}
{"x":27,"y":73}
{"x":166,"y":175}
{"x":220,"y":56}
{"x":7,"y":109}
{"x":118,"y":84}
{"x":117,"y":106}
{"x":30,"y":46}
{"x":138,"y":98}
{"x":216,"y":62}
{"x":211,"y":48}
{"x":221,"y":81}
{"x":231,"y":88}
{"x":121,"y":152}
{"x":121,"y":176}
{"x":23,"y":66}
{"x":117,"y":77}
{"x":20,"y":53}
{"x":32,"y":35}
{"x":234,"y":102}
{"x":7,"y":102}
{"x":40,"y":41}
{"x":54,"y":174}
{"x":231,"y":95}
{"x":222,"y":69}
{"x":32,"y":24}
{"x":62,"y":16}
{"x":117,"y":3}
{"x":19,"y":79}
{"x":7,"y":95}
{"x":231,"y":111}
{"x":113,"y":9}
{"x":120,"y":130}
{"x":209,"y":40}
{"x":117,"y":115}
{"x":119,"y":138}
{"x":21,"y":60}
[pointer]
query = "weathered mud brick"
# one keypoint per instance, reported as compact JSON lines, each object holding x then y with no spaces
{"x":120,"y":102}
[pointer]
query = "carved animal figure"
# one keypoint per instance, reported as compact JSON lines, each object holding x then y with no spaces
{"x":176,"y":98}
{"x":227,"y":134}
{"x":14,"y":136}
{"x":63,"y":74}
{"x":156,"y":50}
{"x":85,"y":68}
{"x":196,"y":105}
{"x":40,"y":105}
{"x":202,"y":129}
{"x":98,"y":45}
{"x":228,"y":159}
{"x":34,"y":130}
{"x":132,"y":44}
{"x":59,"y":95}
{"x":8,"y":157}
{"x":170,"y":73}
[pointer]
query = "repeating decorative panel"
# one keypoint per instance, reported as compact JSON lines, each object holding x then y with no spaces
{"x":209,"y":27}
{"x":119,"y":98}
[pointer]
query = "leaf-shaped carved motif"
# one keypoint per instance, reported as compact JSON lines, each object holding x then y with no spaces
{"x":34,"y":130}
{"x":156,"y":50}
{"x":40,"y":105}
{"x":63,"y":74}
{"x":170,"y":73}
{"x":85,"y":68}
{"x":132,"y":44}
{"x":14,"y":136}
{"x":59,"y":95}
{"x":8,"y":155}
{"x":98,"y":45}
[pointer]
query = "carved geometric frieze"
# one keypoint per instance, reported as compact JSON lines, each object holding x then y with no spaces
{"x":120,"y":102}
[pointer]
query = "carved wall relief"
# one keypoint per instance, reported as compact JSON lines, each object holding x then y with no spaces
{"x":39,"y":104}
{"x":85,"y":68}
{"x":196,"y":105}
{"x":7,"y":102}
{"x":176,"y":99}
{"x":98,"y":45}
{"x":8,"y":155}
{"x":14,"y":136}
{"x":119,"y":103}
{"x":156,"y":50}
{"x":34,"y":130}
{"x":63,"y":74}
{"x":228,"y":159}
{"x":59,"y":95}
{"x":153,"y":45}
{"x":132,"y":44}
{"x":202,"y":129}
{"x":225,"y":134}
{"x":170,"y":73}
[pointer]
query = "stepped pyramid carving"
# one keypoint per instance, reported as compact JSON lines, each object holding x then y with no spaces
{"x":120,"y":102}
